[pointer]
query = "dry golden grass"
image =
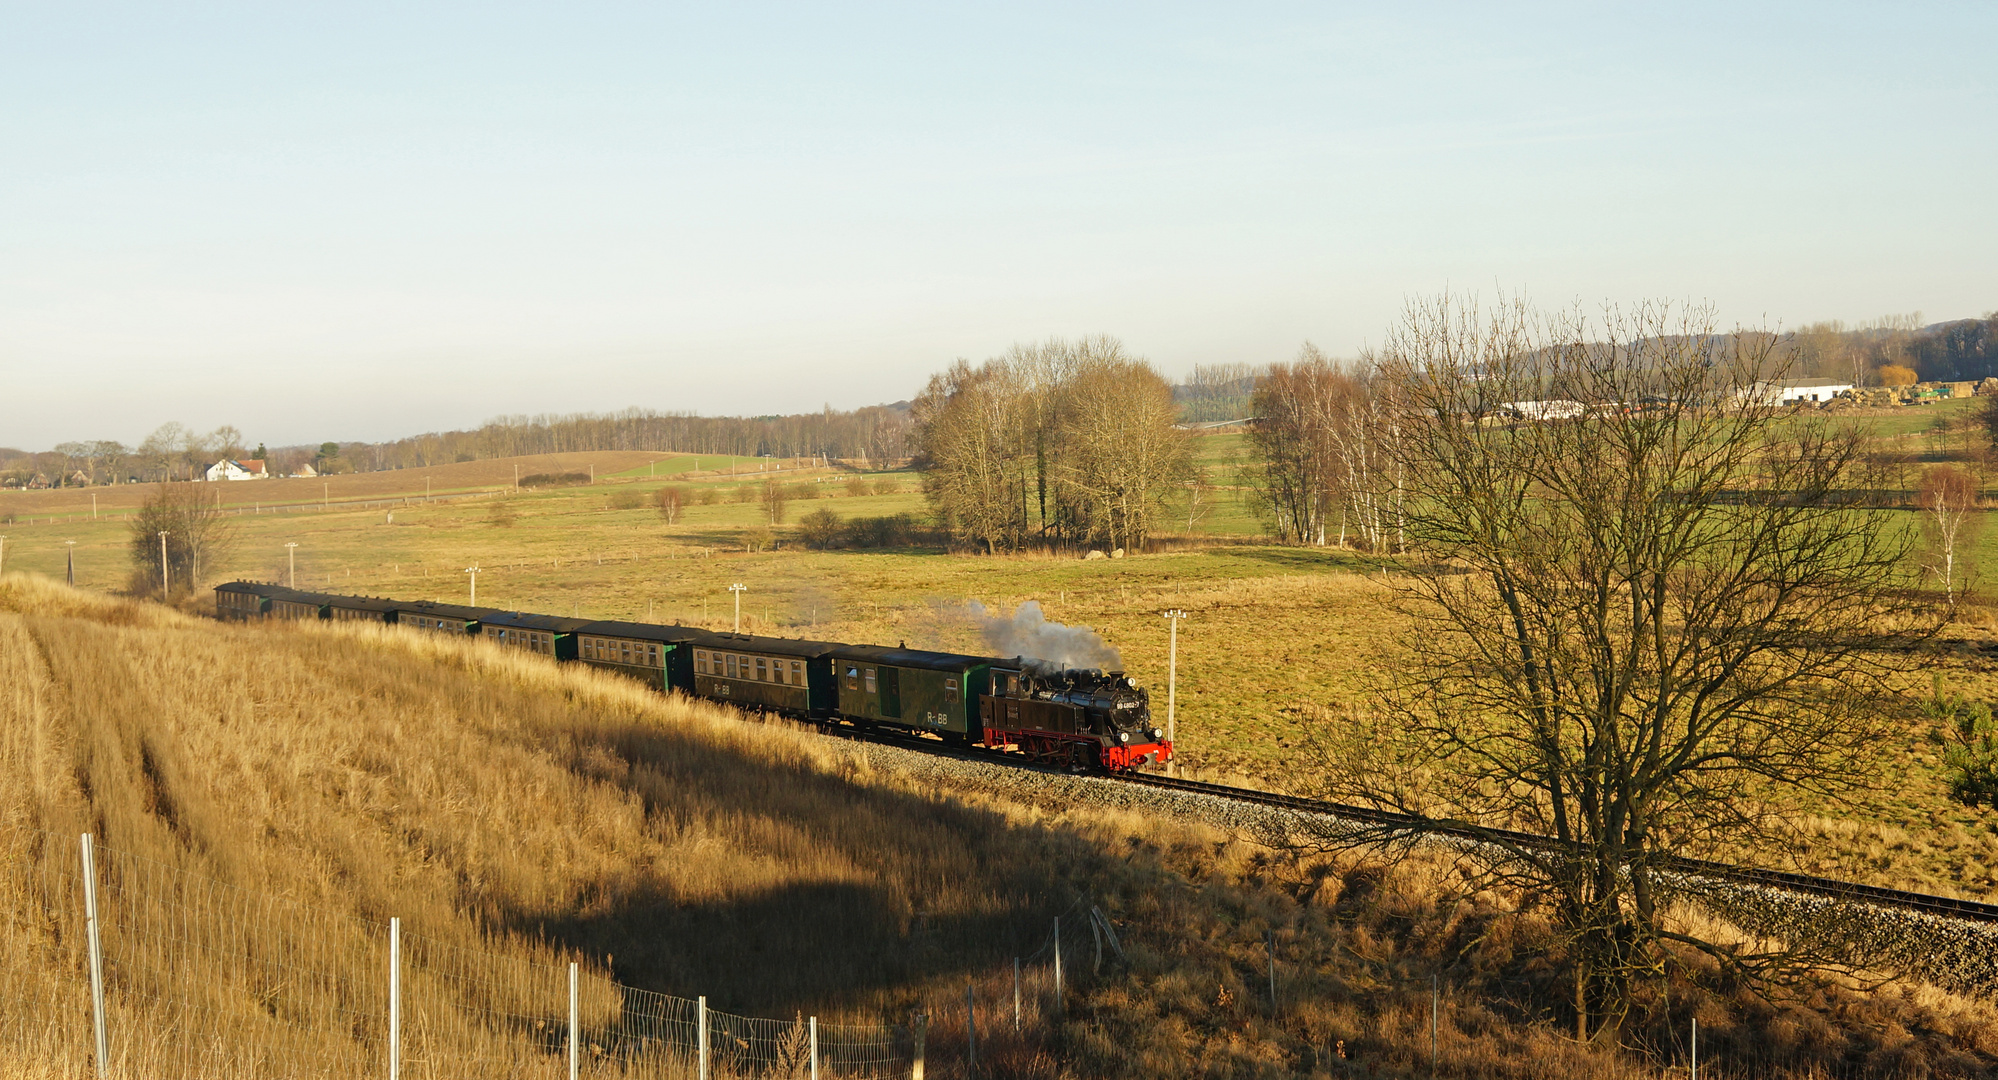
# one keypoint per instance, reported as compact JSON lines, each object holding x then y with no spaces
{"x":518,"y":815}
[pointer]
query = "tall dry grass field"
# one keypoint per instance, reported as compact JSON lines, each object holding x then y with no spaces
{"x":282,"y":793}
{"x":267,"y":798}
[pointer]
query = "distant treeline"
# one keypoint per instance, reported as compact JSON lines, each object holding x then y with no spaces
{"x":876,"y":433}
{"x":1960,"y":351}
{"x":1963,"y":350}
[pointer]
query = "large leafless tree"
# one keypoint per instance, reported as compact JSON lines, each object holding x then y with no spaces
{"x":197,"y":535}
{"x":1639,"y":631}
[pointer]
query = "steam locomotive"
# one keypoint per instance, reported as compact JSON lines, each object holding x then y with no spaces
{"x":1083,"y":719}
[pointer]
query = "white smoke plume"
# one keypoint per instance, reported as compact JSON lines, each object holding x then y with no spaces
{"x":1028,"y":633}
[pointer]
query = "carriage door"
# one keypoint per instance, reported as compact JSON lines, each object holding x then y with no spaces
{"x":891,"y":693}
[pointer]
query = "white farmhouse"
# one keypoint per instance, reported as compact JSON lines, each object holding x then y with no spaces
{"x":237,"y":470}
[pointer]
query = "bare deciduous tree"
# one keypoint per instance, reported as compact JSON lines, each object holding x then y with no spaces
{"x":1070,"y":440}
{"x":197,"y":533}
{"x":1948,"y":499}
{"x":1322,"y":437}
{"x":1639,"y":627}
{"x":775,"y":497}
{"x":670,"y":499}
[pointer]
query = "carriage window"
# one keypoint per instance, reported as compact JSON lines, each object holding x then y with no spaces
{"x":950,"y":690}
{"x":701,"y":661}
{"x":797,"y":673}
{"x":762,"y":670}
{"x":852,"y":678}
{"x":870,"y":680}
{"x":731,"y":665}
{"x":780,"y":673}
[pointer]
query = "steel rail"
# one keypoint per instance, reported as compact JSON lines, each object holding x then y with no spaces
{"x":1831,"y":888}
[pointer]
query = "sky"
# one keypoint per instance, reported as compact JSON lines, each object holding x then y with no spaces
{"x":368,"y":221}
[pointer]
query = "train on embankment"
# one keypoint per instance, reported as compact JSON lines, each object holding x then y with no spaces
{"x":1084,"y":719}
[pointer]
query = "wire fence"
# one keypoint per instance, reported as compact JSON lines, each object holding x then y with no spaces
{"x":114,"y":964}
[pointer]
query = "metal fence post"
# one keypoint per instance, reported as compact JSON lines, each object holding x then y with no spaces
{"x":1694,"y":1072}
{"x":970,"y":1030}
{"x":395,"y":999}
{"x":922,"y":1036}
{"x":1057,"y":958}
{"x":96,"y":955}
{"x":1016,"y":995}
{"x":1435,"y":1002}
{"x":1270,"y":940}
{"x":701,"y":1037}
{"x":812,"y":1035}
{"x":572,"y":1021}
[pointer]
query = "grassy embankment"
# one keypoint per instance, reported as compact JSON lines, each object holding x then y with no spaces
{"x":1276,"y":635}
{"x":504,"y":806}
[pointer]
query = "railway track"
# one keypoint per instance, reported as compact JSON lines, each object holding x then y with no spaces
{"x":1831,"y":888}
{"x":1828,"y":888}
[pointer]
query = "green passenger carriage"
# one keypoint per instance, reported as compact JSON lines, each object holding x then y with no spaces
{"x":781,"y":675}
{"x":912,"y":688}
{"x":550,"y":635}
{"x":660,"y":655}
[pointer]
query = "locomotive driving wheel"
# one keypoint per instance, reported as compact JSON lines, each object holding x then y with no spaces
{"x":1080,"y":760}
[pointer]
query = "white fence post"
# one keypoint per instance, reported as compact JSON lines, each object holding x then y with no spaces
{"x":572,"y":1021}
{"x":96,"y":955}
{"x":701,"y":1045}
{"x":1016,"y":995}
{"x":395,"y":999}
{"x":812,"y":1032}
{"x":1058,"y":1002}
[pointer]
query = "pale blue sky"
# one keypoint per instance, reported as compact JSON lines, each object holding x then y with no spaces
{"x":363,"y":222}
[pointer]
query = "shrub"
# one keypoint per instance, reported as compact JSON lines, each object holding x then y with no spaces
{"x":821,"y":529}
{"x":858,"y":486}
{"x":707,"y":496}
{"x":566,"y":479}
{"x":627,"y":499}
{"x":501,"y":513}
{"x":743,"y":493}
{"x":888,"y":530}
{"x":1896,"y":375}
{"x":1970,"y":756}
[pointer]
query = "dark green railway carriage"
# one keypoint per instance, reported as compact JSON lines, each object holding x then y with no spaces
{"x":441,"y":618}
{"x":360,"y":609}
{"x":660,"y":655}
{"x":782,"y":675}
{"x":912,"y":688}
{"x":244,"y":600}
{"x":549,"y":635}
{"x":293,"y":604}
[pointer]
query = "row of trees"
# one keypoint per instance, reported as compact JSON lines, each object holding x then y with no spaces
{"x":877,"y":433}
{"x":1071,"y":442}
{"x":1897,"y":350}
{"x":171,"y":452}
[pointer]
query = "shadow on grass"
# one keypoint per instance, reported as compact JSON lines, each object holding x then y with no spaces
{"x":880,"y":890}
{"x":1315,"y":560}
